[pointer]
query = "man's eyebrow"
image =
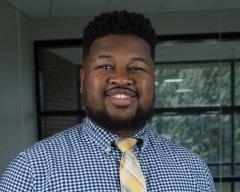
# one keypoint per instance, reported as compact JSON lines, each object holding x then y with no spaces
{"x":132,"y":59}
{"x":103,"y":57}
{"x":139,"y":59}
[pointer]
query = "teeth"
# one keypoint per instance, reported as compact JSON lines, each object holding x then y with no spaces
{"x":120,"y":96}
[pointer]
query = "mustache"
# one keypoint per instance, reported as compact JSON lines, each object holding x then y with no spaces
{"x":121,"y":88}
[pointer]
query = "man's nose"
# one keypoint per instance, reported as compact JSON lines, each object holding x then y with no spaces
{"x":121,"y":77}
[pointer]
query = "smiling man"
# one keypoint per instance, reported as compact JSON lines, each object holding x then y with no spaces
{"x":118,"y":83}
{"x":112,"y":149}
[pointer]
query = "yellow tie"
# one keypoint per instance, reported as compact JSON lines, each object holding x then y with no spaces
{"x":131,"y":177}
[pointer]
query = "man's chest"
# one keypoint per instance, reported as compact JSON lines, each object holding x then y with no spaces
{"x":100,"y":172}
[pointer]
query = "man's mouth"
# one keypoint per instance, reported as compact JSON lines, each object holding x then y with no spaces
{"x":121,"y":97}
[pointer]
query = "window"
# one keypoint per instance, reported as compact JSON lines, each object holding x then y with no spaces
{"x":197,"y":102}
{"x":197,"y":96}
{"x":58,"y":80}
{"x":190,"y":85}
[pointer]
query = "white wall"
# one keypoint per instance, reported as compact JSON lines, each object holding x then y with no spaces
{"x":17,"y":99}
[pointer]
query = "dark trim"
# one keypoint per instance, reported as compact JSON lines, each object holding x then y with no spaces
{"x":44,"y":44}
{"x":197,"y":62}
{"x":62,"y":113}
{"x":197,"y":110}
{"x":222,"y":164}
{"x":199,"y":37}
{"x":37,"y":89}
{"x":226,"y":179}
{"x":226,"y":36}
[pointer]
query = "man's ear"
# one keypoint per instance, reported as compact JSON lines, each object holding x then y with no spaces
{"x":81,"y":79}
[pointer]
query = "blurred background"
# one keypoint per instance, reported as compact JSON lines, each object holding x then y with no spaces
{"x":197,"y":74}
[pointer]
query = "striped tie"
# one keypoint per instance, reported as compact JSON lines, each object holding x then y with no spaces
{"x":131,"y":177}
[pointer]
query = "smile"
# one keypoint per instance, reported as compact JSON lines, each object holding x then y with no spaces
{"x":121,"y":96}
{"x":120,"y":93}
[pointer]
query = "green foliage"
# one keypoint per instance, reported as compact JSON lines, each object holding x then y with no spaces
{"x":237,"y":84}
{"x":199,"y":85}
{"x":237,"y":126}
{"x":204,"y":86}
{"x":207,"y":135}
{"x":237,"y":139}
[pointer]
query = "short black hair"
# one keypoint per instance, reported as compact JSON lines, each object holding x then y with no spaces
{"x":119,"y":23}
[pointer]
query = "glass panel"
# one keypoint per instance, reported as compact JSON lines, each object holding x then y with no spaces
{"x":52,"y":125}
{"x":207,"y":135}
{"x":237,"y":139}
{"x":223,"y":187}
{"x":169,"y":51}
{"x":237,"y":83}
{"x":237,"y":187}
{"x":60,"y":80}
{"x":192,"y":85}
{"x":237,"y":170}
{"x":217,"y":171}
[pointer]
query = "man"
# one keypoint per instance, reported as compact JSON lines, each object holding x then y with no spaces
{"x":112,"y":149}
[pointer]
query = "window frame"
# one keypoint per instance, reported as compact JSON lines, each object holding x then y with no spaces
{"x":231,"y":110}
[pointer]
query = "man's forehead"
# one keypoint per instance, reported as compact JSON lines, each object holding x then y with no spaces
{"x":117,"y":44}
{"x":113,"y":39}
{"x":110,"y":42}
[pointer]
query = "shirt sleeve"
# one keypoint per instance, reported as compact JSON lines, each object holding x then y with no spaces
{"x":18,"y":176}
{"x":210,"y":182}
{"x":204,"y":177}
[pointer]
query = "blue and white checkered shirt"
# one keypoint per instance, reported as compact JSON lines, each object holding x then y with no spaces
{"x":83,"y":158}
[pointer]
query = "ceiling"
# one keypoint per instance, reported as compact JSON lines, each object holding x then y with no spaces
{"x":76,"y":8}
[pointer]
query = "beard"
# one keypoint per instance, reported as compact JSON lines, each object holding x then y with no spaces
{"x":103,"y":118}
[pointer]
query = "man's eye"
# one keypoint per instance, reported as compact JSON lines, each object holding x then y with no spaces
{"x":104,"y":67}
{"x":136,"y":69}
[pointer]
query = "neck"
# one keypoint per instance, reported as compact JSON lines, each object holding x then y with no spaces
{"x":123,"y":132}
{"x":121,"y":129}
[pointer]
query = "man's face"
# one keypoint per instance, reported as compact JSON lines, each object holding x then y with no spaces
{"x":118,"y":82}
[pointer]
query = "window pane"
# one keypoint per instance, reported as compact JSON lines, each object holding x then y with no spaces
{"x":223,"y":187}
{"x":237,"y":83}
{"x":207,"y":135}
{"x":217,"y":171}
{"x":237,"y":169}
{"x":195,"y":51}
{"x":237,"y":187}
{"x":60,"y":81}
{"x":237,"y":139}
{"x":192,"y":85}
{"x":52,"y":125}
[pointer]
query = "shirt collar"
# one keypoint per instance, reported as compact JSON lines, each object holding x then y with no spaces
{"x":105,"y":139}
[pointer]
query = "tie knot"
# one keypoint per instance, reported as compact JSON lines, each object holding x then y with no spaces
{"x":126,"y":144}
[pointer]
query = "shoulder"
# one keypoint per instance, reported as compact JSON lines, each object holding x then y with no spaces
{"x":43,"y":153}
{"x":36,"y":162}
{"x":170,"y":148}
{"x":180,"y":156}
{"x":56,"y":143}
